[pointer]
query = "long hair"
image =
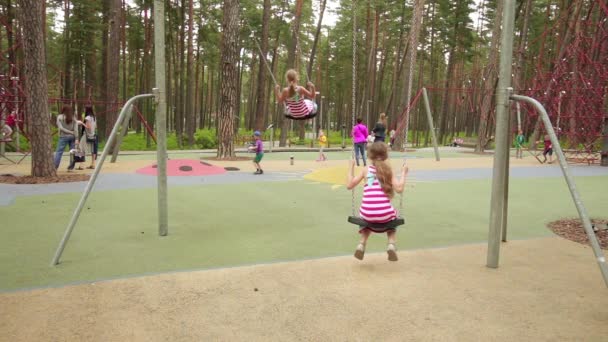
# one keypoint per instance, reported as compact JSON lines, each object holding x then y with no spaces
{"x":382,"y":118}
{"x":378,"y":154}
{"x":292,"y":78}
{"x":88,"y":111}
{"x":68,"y":113}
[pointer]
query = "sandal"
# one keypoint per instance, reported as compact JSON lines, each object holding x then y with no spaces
{"x":392,"y":252}
{"x":360,"y":251}
{"x":91,"y":167}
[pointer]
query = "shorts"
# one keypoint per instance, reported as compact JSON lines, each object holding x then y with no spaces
{"x":258,"y":157}
{"x":548,"y":151}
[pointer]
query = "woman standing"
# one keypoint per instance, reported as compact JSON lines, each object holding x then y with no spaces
{"x":66,"y":126}
{"x":380,"y":128}
{"x":359,"y":134}
{"x":88,"y":141}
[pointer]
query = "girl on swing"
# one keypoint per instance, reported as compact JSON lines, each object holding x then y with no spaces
{"x":380,"y":186}
{"x":299,"y":101}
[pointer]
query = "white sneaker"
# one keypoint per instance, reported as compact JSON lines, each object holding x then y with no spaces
{"x":360,"y":251}
{"x":392,"y":252}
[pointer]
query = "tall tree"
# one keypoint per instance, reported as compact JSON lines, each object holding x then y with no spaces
{"x":291,"y":60}
{"x":490,"y":81}
{"x":316,"y":41}
{"x":402,"y":137}
{"x":32,"y":15}
{"x":190,"y":98}
{"x":113,"y":60}
{"x":261,"y":96}
{"x":229,"y":79}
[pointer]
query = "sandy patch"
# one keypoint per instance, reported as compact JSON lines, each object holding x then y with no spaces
{"x":545,"y":290}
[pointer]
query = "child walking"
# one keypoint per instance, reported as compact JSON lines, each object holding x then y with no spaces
{"x":259,"y":152}
{"x":548,"y":149}
{"x":322,"y":143}
{"x":380,"y":186}
{"x":519,"y":144}
{"x":299,"y":101}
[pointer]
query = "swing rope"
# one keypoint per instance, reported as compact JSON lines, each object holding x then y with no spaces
{"x":257,"y":44}
{"x":354,"y":219}
{"x":354,"y":93}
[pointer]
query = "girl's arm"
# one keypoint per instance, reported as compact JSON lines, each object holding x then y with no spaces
{"x":60,"y":126}
{"x":279,"y":94}
{"x":352,"y":181}
{"x":400,"y":183}
{"x":310,"y":94}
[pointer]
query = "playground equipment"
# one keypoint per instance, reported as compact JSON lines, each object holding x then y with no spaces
{"x":500,"y":179}
{"x":395,"y":223}
{"x":161,"y":146}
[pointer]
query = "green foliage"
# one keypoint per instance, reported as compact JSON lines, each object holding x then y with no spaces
{"x":205,"y":138}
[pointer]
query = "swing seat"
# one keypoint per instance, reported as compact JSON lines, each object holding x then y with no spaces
{"x":374,"y":225}
{"x":306,"y":117}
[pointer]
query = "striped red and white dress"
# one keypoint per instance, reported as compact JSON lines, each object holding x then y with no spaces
{"x":376,"y":207}
{"x":298,"y":106}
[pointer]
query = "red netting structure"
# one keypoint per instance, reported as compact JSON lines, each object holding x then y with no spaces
{"x":573,"y":89}
{"x":13,"y":95}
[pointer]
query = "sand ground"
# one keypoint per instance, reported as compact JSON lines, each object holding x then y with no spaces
{"x":545,"y":290}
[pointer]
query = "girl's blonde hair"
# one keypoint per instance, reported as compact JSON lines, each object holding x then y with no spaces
{"x":292,"y":78}
{"x":383,"y":118}
{"x":378,"y":154}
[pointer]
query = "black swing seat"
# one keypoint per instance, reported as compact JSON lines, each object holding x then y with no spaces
{"x":306,"y":117}
{"x":386,"y":225}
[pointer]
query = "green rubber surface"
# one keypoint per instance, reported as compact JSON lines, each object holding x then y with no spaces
{"x":238,"y":224}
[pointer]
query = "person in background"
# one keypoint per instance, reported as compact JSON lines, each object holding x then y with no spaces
{"x":90,"y":134}
{"x":67,"y":129}
{"x":322,"y":144}
{"x":359,"y":135}
{"x":391,"y":135}
{"x":380,"y":128}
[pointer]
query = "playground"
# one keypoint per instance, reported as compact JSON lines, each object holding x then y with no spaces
{"x":180,"y":219}
{"x":231,"y":267}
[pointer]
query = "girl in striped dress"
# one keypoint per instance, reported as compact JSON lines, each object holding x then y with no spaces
{"x":299,"y":101}
{"x":380,"y":186}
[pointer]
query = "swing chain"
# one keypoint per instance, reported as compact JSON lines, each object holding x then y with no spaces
{"x":353,"y":92}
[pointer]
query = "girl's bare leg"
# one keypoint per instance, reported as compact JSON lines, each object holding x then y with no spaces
{"x":360,"y":251}
{"x":390,"y":249}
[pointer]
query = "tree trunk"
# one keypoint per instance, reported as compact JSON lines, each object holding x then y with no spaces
{"x":291,"y":60}
{"x":401,"y":137}
{"x":261,"y":95}
{"x":112,"y":63}
{"x":491,"y":79}
{"x":67,"y":71}
{"x":123,"y":39}
{"x":316,"y":41}
{"x":190,"y":98}
{"x":391,"y":106}
{"x":229,"y":83}
{"x":36,"y":86}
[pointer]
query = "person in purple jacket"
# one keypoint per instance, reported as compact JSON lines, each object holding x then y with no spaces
{"x":259,"y":152}
{"x":359,"y":135}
